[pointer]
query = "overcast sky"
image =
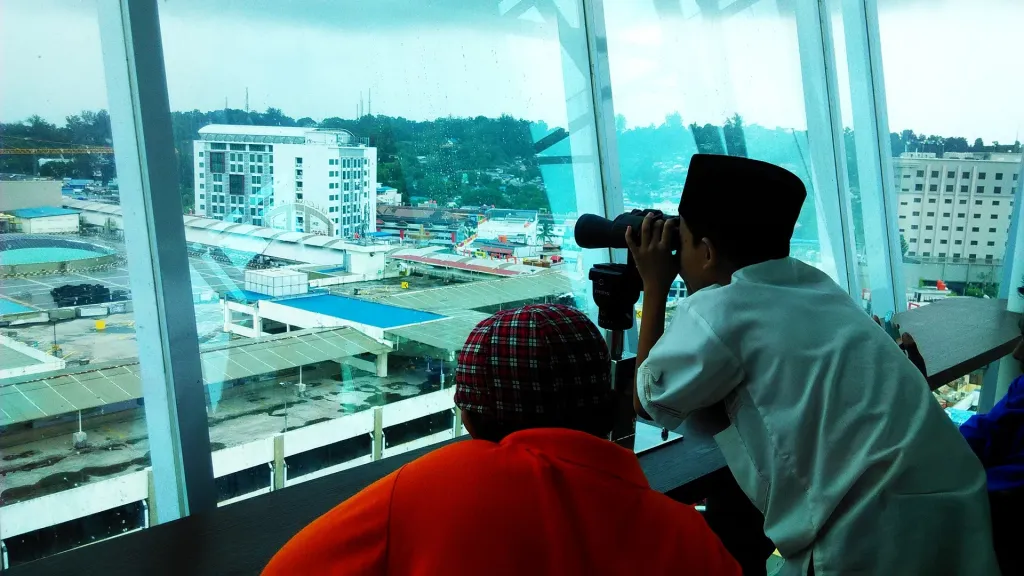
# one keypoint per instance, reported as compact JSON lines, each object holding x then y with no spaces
{"x":952,"y":67}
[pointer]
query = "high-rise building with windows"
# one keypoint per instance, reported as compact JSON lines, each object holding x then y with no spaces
{"x":298,"y":179}
{"x":957,"y":207}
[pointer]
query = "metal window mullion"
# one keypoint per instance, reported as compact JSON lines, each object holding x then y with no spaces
{"x":158,"y":266}
{"x":825,"y":135}
{"x":604,"y":109}
{"x":603,"y":113}
{"x":885,"y":150}
{"x":604,"y":122}
{"x":576,"y":85}
{"x":874,"y":155}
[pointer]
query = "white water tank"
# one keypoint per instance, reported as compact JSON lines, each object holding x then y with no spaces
{"x":277,"y":282}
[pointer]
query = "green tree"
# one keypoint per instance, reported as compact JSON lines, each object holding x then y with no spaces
{"x":484,"y":195}
{"x":896,"y":144}
{"x":272,"y":117}
{"x":436,"y":187}
{"x":56,"y":170}
{"x":903,"y":246}
{"x":620,"y":123}
{"x":735,"y":142}
{"x":528,"y":196}
{"x":934,"y":143}
{"x":390,"y":174}
{"x":911,"y":141}
{"x":546,"y":232}
{"x":957,"y":144}
{"x":707,"y":139}
{"x":188,"y":199}
{"x":982,"y":290}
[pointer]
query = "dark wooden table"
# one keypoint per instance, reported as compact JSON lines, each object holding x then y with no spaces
{"x":956,"y":336}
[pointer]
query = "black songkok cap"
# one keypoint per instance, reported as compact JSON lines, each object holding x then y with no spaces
{"x":747,"y":208}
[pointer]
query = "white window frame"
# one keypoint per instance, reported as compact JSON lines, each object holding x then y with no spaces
{"x":158,"y":269}
{"x":874,"y":155}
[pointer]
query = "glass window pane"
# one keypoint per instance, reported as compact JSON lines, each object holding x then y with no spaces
{"x":71,"y":414}
{"x":969,"y":148}
{"x":699,"y":79}
{"x":331,"y":313}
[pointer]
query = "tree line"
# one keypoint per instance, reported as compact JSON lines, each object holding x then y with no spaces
{"x":454,"y":159}
{"x":446,"y":159}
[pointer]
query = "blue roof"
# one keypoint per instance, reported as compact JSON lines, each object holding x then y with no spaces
{"x":360,"y":311}
{"x":9,"y":307}
{"x":42,"y":212}
{"x":385,"y":188}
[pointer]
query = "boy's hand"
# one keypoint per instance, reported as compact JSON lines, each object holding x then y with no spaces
{"x":909,"y":346}
{"x":657,"y":265}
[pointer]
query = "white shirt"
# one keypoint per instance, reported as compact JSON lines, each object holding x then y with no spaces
{"x":833,"y":433}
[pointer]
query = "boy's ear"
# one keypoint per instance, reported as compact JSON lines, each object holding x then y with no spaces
{"x":710,"y":254}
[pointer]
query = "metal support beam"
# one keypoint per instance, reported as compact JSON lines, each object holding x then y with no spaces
{"x":280,"y":467}
{"x":165,"y":325}
{"x":603,"y":106}
{"x":874,"y":157}
{"x":604,"y":126}
{"x":378,"y":433}
{"x":457,"y":423}
{"x":583,"y":169}
{"x":825,"y":135}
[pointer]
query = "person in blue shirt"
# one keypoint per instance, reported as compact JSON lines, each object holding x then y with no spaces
{"x":997,"y":436}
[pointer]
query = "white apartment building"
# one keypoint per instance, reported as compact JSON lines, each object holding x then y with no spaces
{"x":956,"y":207}
{"x":297,"y":179}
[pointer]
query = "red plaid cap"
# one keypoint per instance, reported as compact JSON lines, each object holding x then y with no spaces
{"x":538,"y":363}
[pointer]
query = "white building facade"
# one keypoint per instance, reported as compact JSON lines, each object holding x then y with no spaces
{"x":297,"y":179}
{"x":958,"y":207}
{"x":518,"y":226}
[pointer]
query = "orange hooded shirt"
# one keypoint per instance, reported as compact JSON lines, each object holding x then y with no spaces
{"x":543,"y":501}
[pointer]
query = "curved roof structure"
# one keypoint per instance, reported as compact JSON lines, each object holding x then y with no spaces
{"x":295,"y":246}
{"x":82,"y":388}
{"x":274,"y":134}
